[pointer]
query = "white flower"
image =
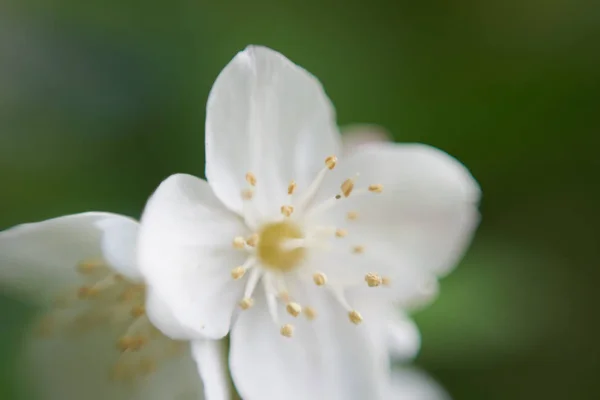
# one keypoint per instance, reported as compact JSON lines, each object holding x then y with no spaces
{"x":95,"y":341}
{"x":291,"y":248}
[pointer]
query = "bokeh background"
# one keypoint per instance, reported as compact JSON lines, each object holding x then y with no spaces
{"x":101,"y":100}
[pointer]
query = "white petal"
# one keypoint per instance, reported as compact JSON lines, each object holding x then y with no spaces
{"x":267,"y":116}
{"x":426,"y":215}
{"x":38,"y":259}
{"x":79,"y":366}
{"x":119,"y":244}
{"x":415,"y":385}
{"x":186,"y":255}
{"x":404,"y":339}
{"x":355,"y":137}
{"x":328,"y":358}
{"x":211,"y":358}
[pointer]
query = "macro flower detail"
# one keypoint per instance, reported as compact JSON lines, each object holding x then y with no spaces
{"x":294,"y":248}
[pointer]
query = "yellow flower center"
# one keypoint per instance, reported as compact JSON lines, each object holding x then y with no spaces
{"x":277,"y":246}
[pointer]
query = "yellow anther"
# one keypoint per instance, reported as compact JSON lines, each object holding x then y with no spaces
{"x":386,"y":281}
{"x":246,"y":303}
{"x":310,"y":313}
{"x":320,"y":279}
{"x":291,"y":187}
{"x":358,"y":249}
{"x":239,"y":242}
{"x":347,"y":187}
{"x":373,"y":280}
{"x":251,"y":178}
{"x":331,"y":161}
{"x":355,"y":317}
{"x":341,"y":233}
{"x":252,"y":240}
{"x":138,"y":311}
{"x":376,"y":188}
{"x":237,"y":272}
{"x":352,"y":215}
{"x":89,"y":266}
{"x":131,"y":343}
{"x":247,"y":194}
{"x":287,"y":210}
{"x":287,"y":330}
{"x":294,"y":309}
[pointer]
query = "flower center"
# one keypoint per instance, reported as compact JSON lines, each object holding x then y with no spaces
{"x":279,"y":245}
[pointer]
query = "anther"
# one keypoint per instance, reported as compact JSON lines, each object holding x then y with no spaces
{"x":131,"y":343}
{"x":89,"y":266}
{"x":246,"y":303}
{"x":237,"y":272}
{"x":347,"y":187}
{"x":252,"y":240}
{"x":355,"y":317}
{"x":331,"y":161}
{"x":320,"y":279}
{"x":251,"y":178}
{"x":138,"y":311}
{"x":287,"y":330}
{"x":340,"y":233}
{"x":358,"y":249}
{"x":291,"y":187}
{"x":373,"y":280}
{"x":247,"y":194}
{"x":85,"y":292}
{"x":239,"y":242}
{"x":376,"y":188}
{"x":294,"y":309}
{"x":352,"y":215}
{"x":287,"y":210}
{"x":386,"y":281}
{"x":310,"y":313}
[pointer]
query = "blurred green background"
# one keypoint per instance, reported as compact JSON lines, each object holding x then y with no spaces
{"x":101,"y":100}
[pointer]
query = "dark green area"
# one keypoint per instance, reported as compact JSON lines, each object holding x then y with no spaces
{"x":101,"y":100}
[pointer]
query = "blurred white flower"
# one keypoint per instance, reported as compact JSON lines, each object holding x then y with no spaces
{"x":95,"y":341}
{"x":332,"y":242}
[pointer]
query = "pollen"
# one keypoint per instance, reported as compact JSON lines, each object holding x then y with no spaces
{"x":341,"y":233}
{"x":347,"y":187}
{"x":287,"y":330}
{"x":355,"y":317}
{"x":138,"y":311}
{"x":310,"y":313}
{"x":320,"y":279}
{"x":273,"y":249}
{"x":331,"y":161}
{"x":246,"y":303}
{"x":239,"y":242}
{"x":247,"y":194}
{"x":291,"y":187}
{"x":294,"y":309}
{"x":251,"y":178}
{"x":376,"y":188}
{"x":352,"y":215}
{"x":287,"y":210}
{"x":237,"y":272}
{"x":358,"y":249}
{"x":252,"y":240}
{"x":373,"y":280}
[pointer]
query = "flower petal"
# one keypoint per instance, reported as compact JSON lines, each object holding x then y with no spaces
{"x":119,"y":244}
{"x":404,"y":339}
{"x":424,"y":218}
{"x":185,"y":254}
{"x":354,"y":137}
{"x":211,"y":359}
{"x":327,"y":358}
{"x":37,"y":259}
{"x":415,"y":385}
{"x":267,"y":116}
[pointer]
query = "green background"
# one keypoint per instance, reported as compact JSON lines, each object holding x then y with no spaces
{"x":101,"y":100}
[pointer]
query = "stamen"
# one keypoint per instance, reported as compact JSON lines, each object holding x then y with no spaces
{"x":347,"y":187}
{"x":291,"y":187}
{"x":355,"y":317}
{"x":378,"y":188}
{"x":352,"y":215}
{"x":239,"y":242}
{"x":138,"y":311}
{"x":287,"y":210}
{"x":251,"y":178}
{"x":247,"y":194}
{"x":373,"y":280}
{"x":246,"y":303}
{"x":294,"y":309}
{"x":331,"y":161}
{"x":341,"y":233}
{"x":89,"y":266}
{"x":320,"y":279}
{"x":251,"y":284}
{"x":310,"y":313}
{"x":287,"y":330}
{"x":252,"y":240}
{"x":131,"y":343}
{"x":358,"y":249}
{"x":238,"y":272}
